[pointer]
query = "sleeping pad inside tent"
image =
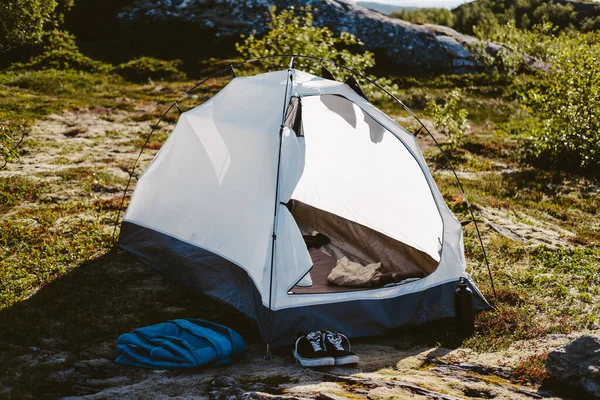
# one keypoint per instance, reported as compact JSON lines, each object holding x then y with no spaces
{"x":224,"y":205}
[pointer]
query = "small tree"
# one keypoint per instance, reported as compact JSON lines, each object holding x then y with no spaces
{"x":23,"y":23}
{"x":292,"y":31}
{"x":569,"y":108}
{"x":449,"y":118}
{"x":474,"y":13}
{"x":567,"y":104}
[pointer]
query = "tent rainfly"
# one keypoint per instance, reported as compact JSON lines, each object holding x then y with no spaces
{"x":223,"y":207}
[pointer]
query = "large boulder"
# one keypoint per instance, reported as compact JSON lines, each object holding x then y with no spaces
{"x":424,"y":48}
{"x":577,"y":364}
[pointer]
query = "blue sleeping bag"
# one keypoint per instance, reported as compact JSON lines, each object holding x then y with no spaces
{"x":180,"y":343}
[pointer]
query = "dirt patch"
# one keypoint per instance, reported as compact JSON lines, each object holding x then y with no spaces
{"x":87,"y":138}
{"x":87,"y":153}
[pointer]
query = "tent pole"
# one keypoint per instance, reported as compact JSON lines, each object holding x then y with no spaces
{"x":470,"y":211}
{"x":274,"y":235}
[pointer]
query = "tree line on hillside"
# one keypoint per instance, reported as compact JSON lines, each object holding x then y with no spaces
{"x":563,"y":14}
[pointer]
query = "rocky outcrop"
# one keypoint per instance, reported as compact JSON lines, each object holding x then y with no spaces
{"x":416,"y":47}
{"x":577,"y":364}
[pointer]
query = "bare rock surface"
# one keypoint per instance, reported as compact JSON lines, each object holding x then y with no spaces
{"x":391,"y":367}
{"x":577,"y":364}
{"x":525,"y":229}
{"x":416,"y":47}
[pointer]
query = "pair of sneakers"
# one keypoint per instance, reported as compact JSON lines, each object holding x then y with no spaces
{"x":323,"y":348}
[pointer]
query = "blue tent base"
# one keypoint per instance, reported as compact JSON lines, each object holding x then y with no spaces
{"x":205,"y":272}
{"x":180,"y":344}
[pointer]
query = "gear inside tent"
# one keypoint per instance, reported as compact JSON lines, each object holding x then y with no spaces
{"x":225,"y":207}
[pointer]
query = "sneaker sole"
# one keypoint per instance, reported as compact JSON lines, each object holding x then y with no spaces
{"x":314,"y":362}
{"x":346,"y":360}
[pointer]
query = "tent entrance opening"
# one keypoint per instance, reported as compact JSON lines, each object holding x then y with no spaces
{"x":363,"y":189}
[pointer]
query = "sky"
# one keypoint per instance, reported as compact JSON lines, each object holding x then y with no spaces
{"x":424,"y":3}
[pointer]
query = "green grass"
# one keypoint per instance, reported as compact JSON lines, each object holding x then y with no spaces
{"x":17,"y":189}
{"x":86,"y":179}
{"x":44,"y":242}
{"x":532,"y":369}
{"x":154,"y":143}
{"x":29,"y":95}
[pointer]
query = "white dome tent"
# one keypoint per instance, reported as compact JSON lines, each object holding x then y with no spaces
{"x":224,"y":204}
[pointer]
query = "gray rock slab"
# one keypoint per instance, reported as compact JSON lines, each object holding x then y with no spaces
{"x":577,"y":364}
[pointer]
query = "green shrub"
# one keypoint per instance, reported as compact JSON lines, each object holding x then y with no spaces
{"x":61,"y":52}
{"x":448,"y":118}
{"x":539,"y":43}
{"x":591,"y":24}
{"x":560,"y":15}
{"x":567,"y":107}
{"x":56,"y":82}
{"x":24,"y":22}
{"x":569,"y":136}
{"x":144,"y":68}
{"x":525,"y":13}
{"x":476,"y":13}
{"x":292,"y":31}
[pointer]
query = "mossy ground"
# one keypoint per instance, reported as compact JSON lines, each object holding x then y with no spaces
{"x":63,"y":285}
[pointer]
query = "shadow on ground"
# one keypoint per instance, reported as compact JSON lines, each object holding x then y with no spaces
{"x":61,"y":341}
{"x":79,"y":317}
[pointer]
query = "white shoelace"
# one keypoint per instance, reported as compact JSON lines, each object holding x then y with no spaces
{"x":314,"y":338}
{"x":336,"y":340}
